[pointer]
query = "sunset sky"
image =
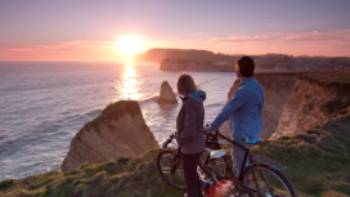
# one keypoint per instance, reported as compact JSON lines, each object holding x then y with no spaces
{"x":87,"y":30}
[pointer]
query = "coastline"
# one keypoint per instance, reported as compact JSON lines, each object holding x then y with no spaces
{"x":292,"y":83}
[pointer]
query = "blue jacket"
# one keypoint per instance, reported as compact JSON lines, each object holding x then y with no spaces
{"x":244,"y":111}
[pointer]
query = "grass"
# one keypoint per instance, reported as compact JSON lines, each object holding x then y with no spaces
{"x":124,"y":177}
{"x":317,"y":163}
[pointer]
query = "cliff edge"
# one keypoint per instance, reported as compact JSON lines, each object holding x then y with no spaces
{"x":296,"y":102}
{"x":317,"y":163}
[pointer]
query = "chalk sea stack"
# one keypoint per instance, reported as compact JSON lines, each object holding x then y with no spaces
{"x":166,"y":93}
{"x":119,"y":131}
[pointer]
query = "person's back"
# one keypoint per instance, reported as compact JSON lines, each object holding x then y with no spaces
{"x":247,"y":119}
{"x":191,"y":136}
{"x":245,"y":110}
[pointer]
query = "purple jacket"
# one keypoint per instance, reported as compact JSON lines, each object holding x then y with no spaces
{"x":189,"y":123}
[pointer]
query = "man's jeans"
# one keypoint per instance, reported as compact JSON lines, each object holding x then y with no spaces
{"x":238,"y":153}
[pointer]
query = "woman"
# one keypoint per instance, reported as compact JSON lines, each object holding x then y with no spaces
{"x":190,"y":133}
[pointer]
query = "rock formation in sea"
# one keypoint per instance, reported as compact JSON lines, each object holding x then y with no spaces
{"x":119,"y":131}
{"x":166,"y":93}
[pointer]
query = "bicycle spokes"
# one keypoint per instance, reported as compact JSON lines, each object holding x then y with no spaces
{"x":268,"y":182}
{"x":171,"y":169}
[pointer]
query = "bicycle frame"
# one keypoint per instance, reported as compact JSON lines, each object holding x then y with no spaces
{"x":245,"y":149}
{"x":234,"y":143}
{"x":212,"y":143}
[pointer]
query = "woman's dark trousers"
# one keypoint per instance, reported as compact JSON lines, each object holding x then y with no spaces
{"x":190,"y":163}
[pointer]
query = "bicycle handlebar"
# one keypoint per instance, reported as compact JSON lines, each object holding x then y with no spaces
{"x":214,"y":134}
{"x":168,"y":141}
{"x":217,"y":134}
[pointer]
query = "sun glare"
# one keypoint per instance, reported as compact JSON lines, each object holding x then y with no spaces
{"x":128,"y":46}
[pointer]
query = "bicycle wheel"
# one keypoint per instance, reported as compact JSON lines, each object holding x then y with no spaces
{"x":266,"y":181}
{"x":170,"y":167}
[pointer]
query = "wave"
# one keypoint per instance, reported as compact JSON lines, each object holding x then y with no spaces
{"x":45,"y":131}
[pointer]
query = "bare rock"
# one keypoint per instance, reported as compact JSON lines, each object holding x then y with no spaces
{"x":120,"y":131}
{"x":166,"y":93}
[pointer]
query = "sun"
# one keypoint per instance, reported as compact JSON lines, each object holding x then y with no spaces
{"x":128,"y":46}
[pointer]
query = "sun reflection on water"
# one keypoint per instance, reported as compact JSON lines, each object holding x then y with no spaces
{"x":129,"y":88}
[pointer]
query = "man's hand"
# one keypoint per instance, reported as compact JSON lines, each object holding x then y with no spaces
{"x":208,"y":129}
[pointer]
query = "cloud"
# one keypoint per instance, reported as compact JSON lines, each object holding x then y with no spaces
{"x":328,"y":43}
{"x":68,"y":50}
{"x":337,"y":35}
{"x":56,"y":46}
{"x":247,"y":38}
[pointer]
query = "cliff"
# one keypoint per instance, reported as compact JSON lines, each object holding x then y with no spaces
{"x":311,"y":103}
{"x":203,"y":60}
{"x":124,"y":177}
{"x":119,"y":131}
{"x":157,"y":55}
{"x":174,"y":64}
{"x":311,"y":109}
{"x":316,"y":162}
{"x":296,"y":102}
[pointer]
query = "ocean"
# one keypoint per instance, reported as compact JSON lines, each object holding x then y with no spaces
{"x":44,"y":104}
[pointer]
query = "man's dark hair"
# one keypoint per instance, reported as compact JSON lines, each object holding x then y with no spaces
{"x":246,"y":66}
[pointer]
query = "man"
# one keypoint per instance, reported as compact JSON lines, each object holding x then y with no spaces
{"x":244,"y":111}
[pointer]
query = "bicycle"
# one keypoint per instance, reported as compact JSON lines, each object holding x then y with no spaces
{"x":253,"y":179}
{"x":169,"y":164}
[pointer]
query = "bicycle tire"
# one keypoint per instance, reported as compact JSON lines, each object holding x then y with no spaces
{"x":259,"y":168}
{"x":167,"y":174}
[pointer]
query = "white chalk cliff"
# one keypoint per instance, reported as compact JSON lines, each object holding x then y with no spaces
{"x":119,"y":131}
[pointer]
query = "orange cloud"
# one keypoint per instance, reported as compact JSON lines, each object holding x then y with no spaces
{"x":331,"y":43}
{"x":65,"y":51}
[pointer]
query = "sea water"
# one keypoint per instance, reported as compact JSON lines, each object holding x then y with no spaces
{"x":44,"y":104}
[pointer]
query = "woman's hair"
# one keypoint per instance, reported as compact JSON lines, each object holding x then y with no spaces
{"x":185,"y":84}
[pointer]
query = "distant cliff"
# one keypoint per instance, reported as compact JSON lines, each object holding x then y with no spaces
{"x":157,"y":55}
{"x":120,"y":131}
{"x":203,"y":60}
{"x":195,"y":65}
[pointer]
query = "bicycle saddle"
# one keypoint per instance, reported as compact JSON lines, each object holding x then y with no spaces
{"x":216,"y":154}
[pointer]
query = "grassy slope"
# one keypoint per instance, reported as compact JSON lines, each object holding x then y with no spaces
{"x":124,"y":177}
{"x":317,"y":163}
